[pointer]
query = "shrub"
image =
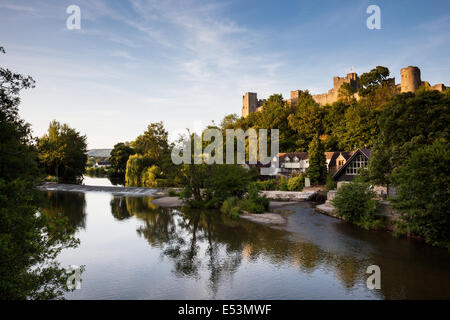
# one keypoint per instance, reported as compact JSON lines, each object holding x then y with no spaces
{"x":173,"y":193}
{"x":283,"y":184}
{"x":354,"y":203}
{"x":296,"y":183}
{"x":266,"y":185}
{"x":231,"y":207}
{"x":330,"y":184}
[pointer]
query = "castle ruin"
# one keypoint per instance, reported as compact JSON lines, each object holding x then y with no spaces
{"x":410,"y":82}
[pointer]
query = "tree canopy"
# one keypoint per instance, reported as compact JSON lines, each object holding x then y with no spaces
{"x":63,"y":152}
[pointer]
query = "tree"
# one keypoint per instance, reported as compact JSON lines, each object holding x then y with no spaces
{"x":153,"y":143}
{"x":307,"y":122}
{"x":317,"y":170}
{"x":29,"y":242}
{"x":408,"y":123}
{"x":119,"y":157}
{"x":375,"y":78}
{"x":346,"y":93}
{"x":62,"y":152}
{"x":152,"y":148}
{"x":422,"y":195}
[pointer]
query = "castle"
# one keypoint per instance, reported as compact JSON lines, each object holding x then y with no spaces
{"x":410,"y":82}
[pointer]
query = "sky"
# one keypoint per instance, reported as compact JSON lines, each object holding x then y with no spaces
{"x":188,"y":62}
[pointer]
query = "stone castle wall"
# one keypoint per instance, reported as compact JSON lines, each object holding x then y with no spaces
{"x":410,"y":82}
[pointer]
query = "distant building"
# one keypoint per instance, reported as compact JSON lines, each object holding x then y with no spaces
{"x":102,"y":164}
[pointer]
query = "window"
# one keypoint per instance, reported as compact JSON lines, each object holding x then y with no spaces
{"x":353,"y":167}
{"x":287,"y":159}
{"x":341,"y":163}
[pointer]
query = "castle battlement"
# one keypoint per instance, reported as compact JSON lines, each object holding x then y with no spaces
{"x":410,"y":82}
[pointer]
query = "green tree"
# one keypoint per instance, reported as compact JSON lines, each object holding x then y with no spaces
{"x":29,"y":242}
{"x":408,"y":123}
{"x":119,"y":157}
{"x":153,"y":143}
{"x":375,"y":78}
{"x":62,"y":152}
{"x":422,"y":193}
{"x":317,"y":170}
{"x":307,"y":122}
{"x":346,"y":93}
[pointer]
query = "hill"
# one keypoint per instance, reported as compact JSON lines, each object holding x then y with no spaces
{"x":99,"y":153}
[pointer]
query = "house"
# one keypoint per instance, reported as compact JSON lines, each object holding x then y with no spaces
{"x":359,"y":159}
{"x":298,"y":162}
{"x":102,"y":164}
{"x":293,"y":162}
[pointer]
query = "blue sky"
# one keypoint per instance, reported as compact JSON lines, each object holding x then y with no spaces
{"x":188,"y":62}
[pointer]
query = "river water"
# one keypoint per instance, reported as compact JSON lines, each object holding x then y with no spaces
{"x":132,"y":249}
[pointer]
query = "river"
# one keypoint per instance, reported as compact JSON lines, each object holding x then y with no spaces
{"x":132,"y":249}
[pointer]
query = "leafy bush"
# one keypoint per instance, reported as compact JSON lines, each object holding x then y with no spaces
{"x":422,"y":194}
{"x":283,"y":184}
{"x":354,"y":203}
{"x":252,"y":203}
{"x":267,"y":185}
{"x":296,"y":183}
{"x":331,"y":184}
{"x":231,"y":207}
{"x":173,"y":193}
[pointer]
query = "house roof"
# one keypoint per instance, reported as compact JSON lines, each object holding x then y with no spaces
{"x":363,"y":151}
{"x":292,"y":155}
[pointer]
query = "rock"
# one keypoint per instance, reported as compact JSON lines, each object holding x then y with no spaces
{"x":168,"y":202}
{"x":264,"y":218}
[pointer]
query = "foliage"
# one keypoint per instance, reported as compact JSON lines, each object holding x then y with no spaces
{"x":29,"y":242}
{"x":422,"y":193}
{"x":136,"y":165}
{"x":152,"y":149}
{"x":283,"y":184}
{"x":408,"y":123}
{"x":317,"y":170}
{"x":209,"y":185}
{"x":150,"y":176}
{"x":296,"y":183}
{"x":252,"y":202}
{"x":118,"y":159}
{"x":307,"y":122}
{"x":330,"y":183}
{"x":62,"y":152}
{"x":231,"y":207}
{"x":173,"y":193}
{"x":372,"y":80}
{"x":270,"y":184}
{"x":346,"y":93}
{"x":354,"y":203}
{"x":96,"y":171}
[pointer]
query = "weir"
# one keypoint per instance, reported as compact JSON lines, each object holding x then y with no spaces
{"x":128,"y":191}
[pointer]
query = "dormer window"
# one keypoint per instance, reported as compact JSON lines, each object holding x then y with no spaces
{"x":295,"y":159}
{"x":287,"y":159}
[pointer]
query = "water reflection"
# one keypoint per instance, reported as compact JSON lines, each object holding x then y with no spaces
{"x":199,"y":240}
{"x":69,"y":204}
{"x":314,"y":256}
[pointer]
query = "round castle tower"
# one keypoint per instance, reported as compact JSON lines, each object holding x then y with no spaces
{"x":410,"y":79}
